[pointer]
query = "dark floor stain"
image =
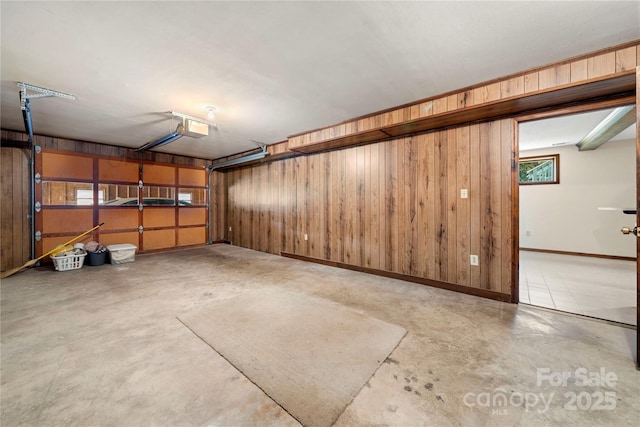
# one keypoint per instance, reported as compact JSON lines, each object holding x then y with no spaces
{"x":430,"y":372}
{"x":439,"y":398}
{"x":391,"y":361}
{"x":407,"y":379}
{"x":414,"y":379}
{"x":417,"y":392}
{"x":428,"y":386}
{"x":408,"y":388}
{"x":368,"y":385}
{"x":392,"y":408}
{"x":395,"y":376}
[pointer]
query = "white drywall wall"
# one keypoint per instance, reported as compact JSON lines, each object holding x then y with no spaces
{"x":565,"y":216}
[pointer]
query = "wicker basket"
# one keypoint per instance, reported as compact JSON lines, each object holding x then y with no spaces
{"x":69,"y":261}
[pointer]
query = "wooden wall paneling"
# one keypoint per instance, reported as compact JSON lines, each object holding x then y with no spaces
{"x":463,"y":218}
{"x":626,"y":58}
{"x":350,"y":227}
{"x":337,"y":202}
{"x":485,"y":221}
{"x":554,"y":76}
{"x":487,"y":93}
{"x":118,"y":170}
{"x":601,"y":65}
{"x":63,"y":166}
{"x":361,"y":186}
{"x":258,"y":207}
{"x":300,"y":245}
{"x":440,"y":217}
{"x":325,"y":177}
{"x":400,"y":230}
{"x":15,"y":230}
{"x":579,"y":70}
{"x":491,"y":235}
{"x":370,"y":187}
{"x":391,"y":203}
{"x":410,"y":206}
{"x":452,"y":102}
{"x":452,"y":195}
{"x":380,"y":204}
{"x":242,"y":223}
{"x":531,"y":82}
{"x":426,"y":205}
{"x":465,"y":99}
{"x":512,"y":87}
{"x":217,"y":206}
{"x":289,"y":208}
{"x":440,"y":105}
{"x":510,"y":228}
{"x":314,"y":207}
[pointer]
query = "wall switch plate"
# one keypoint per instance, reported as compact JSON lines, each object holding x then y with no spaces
{"x":229,"y":228}
{"x":464,"y":193}
{"x":528,"y":233}
{"x":474,"y":260}
{"x":306,"y":236}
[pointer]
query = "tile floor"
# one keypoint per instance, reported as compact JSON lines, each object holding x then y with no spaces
{"x":595,"y":287}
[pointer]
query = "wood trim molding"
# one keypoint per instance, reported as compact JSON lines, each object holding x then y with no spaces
{"x":550,"y":251}
{"x":423,"y":281}
{"x":598,"y":89}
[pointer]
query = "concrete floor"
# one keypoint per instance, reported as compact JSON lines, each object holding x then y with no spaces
{"x":102,"y":346}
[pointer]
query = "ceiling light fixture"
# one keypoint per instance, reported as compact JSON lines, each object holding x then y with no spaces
{"x":210,"y":111}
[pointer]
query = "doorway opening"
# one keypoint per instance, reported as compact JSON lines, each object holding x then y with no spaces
{"x":577,"y":190}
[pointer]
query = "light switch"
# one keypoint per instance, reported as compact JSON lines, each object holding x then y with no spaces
{"x":464,"y":193}
{"x":474,"y":260}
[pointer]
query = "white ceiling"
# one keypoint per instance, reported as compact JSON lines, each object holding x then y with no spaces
{"x":565,"y":130}
{"x":272,"y":69}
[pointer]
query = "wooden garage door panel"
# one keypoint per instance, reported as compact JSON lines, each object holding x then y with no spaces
{"x":158,"y":239}
{"x":49,"y":243}
{"x":67,"y":167}
{"x":158,"y":217}
{"x":157,"y":174}
{"x":117,"y":238}
{"x":67,"y":220}
{"x":195,"y":177}
{"x":192,"y":216}
{"x":115,"y":170}
{"x":119,"y":218}
{"x":192,"y":236}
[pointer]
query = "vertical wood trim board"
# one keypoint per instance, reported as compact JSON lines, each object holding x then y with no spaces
{"x":393,"y":206}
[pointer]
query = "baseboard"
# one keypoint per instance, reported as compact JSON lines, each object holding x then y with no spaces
{"x":485,"y":293}
{"x":550,"y":251}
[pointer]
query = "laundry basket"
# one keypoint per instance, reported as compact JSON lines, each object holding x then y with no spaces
{"x":71,"y":260}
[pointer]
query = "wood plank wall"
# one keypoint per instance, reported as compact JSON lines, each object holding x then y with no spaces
{"x":393,"y":206}
{"x":14,"y":207}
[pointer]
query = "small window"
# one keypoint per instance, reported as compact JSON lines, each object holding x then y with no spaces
{"x":67,"y":193}
{"x":158,"y":196}
{"x":192,"y":196}
{"x":539,"y":170}
{"x":118,"y":195}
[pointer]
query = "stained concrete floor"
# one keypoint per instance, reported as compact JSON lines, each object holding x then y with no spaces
{"x":101,"y":346}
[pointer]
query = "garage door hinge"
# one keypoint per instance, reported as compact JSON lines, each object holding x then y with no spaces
{"x":140,"y":229}
{"x":38,"y":236}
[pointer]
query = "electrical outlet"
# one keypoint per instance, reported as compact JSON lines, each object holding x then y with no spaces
{"x":306,"y":236}
{"x":528,"y":233}
{"x":464,"y":193}
{"x":229,"y":228}
{"x":474,"y":260}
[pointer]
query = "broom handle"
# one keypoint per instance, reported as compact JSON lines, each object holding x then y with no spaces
{"x":70,"y":241}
